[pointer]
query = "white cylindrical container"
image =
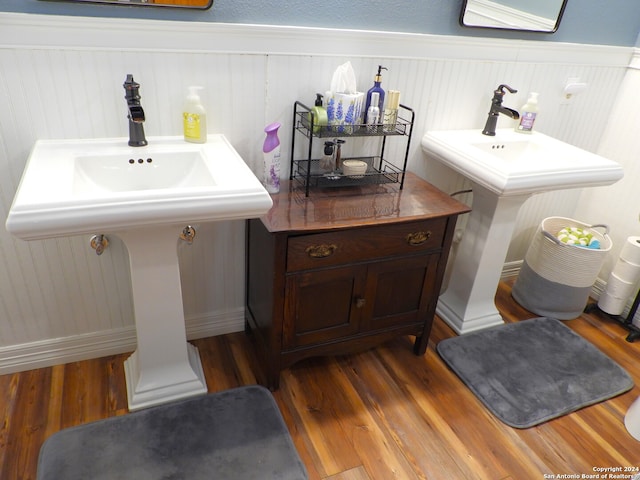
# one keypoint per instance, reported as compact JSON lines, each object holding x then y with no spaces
{"x":629,"y":272}
{"x":618,"y":287}
{"x":623,"y":280}
{"x":611,"y":305}
{"x":632,"y":419}
{"x":615,"y":296}
{"x":631,"y":250}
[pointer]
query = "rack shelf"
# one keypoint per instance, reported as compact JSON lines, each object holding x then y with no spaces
{"x":307,"y":172}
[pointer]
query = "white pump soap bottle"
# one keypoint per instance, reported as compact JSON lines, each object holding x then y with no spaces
{"x":194,"y":118}
{"x":528,"y":114}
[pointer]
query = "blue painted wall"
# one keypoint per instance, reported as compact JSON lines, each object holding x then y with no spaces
{"x":605,"y":22}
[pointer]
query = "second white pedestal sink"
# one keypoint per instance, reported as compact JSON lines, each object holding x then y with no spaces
{"x":146,"y":196}
{"x":505,"y":170}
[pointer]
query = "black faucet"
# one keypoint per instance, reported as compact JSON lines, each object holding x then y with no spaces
{"x":136,"y":113}
{"x":497,"y":109}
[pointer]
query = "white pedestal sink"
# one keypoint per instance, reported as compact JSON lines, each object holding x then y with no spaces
{"x":164,"y":366}
{"x":146,"y":196}
{"x":505,"y":170}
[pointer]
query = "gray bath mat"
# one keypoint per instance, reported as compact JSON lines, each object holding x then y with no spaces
{"x":529,"y":372}
{"x":237,"y":434}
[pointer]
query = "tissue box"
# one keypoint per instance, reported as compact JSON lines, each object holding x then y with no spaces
{"x":344,"y":111}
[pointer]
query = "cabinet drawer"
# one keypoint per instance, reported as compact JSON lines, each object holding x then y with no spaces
{"x":362,"y":244}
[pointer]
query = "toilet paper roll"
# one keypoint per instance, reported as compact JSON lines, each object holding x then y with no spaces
{"x":610,"y":304}
{"x":629,"y":272}
{"x":619,"y":288}
{"x":631,"y":250}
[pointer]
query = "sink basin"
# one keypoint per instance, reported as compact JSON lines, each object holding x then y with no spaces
{"x":72,"y":187}
{"x":146,"y":196}
{"x":514,"y":164}
{"x":505,"y":170}
{"x":126,"y":173}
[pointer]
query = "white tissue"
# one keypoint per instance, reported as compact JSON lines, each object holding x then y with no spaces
{"x":344,"y":79}
{"x":343,"y":102}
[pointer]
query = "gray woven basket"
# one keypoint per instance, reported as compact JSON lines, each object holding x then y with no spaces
{"x":555,"y":279}
{"x":567,"y":264}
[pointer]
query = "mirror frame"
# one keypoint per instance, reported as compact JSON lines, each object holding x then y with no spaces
{"x":555,"y":27}
{"x":145,"y":3}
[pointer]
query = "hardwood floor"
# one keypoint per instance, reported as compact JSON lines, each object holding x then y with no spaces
{"x":382,"y":414}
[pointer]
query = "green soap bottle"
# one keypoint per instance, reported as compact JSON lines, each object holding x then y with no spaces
{"x":320,"y":118}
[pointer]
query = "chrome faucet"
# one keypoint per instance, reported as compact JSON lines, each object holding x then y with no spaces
{"x":136,"y":113}
{"x":497,"y":109}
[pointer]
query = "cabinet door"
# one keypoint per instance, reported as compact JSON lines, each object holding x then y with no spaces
{"x":323,"y":305}
{"x":400,"y":292}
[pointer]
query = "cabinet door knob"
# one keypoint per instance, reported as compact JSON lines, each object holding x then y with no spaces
{"x":360,"y":302}
{"x":321,"y":251}
{"x":418,"y":238}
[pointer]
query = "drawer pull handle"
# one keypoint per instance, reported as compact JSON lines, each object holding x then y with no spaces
{"x":360,"y":302}
{"x":321,"y":251}
{"x":418,"y":238}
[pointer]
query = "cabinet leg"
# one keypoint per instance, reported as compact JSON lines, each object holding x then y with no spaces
{"x":420,"y":345}
{"x":273,"y":380}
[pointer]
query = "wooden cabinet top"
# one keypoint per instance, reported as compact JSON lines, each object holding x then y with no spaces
{"x":335,"y":208}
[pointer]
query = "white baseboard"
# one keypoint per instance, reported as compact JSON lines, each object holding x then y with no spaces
{"x":56,"y":351}
{"x":510,"y":269}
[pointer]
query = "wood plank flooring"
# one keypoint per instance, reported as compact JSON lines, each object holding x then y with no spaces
{"x":382,"y":414}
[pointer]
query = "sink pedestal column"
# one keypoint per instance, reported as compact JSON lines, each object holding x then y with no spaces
{"x":468,"y":304}
{"x":164,"y":366}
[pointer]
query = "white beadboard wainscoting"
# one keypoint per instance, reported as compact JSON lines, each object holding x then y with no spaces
{"x":61,"y":77}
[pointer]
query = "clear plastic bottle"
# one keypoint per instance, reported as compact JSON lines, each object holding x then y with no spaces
{"x":327,"y":162}
{"x":194,"y":118}
{"x":528,"y":114}
{"x":390,"y":117}
{"x":271,"y":156}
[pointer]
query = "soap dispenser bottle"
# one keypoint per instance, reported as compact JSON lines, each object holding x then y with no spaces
{"x":194,"y":118}
{"x":376,"y":88}
{"x":319,"y":114}
{"x":528,"y":114}
{"x":327,"y":162}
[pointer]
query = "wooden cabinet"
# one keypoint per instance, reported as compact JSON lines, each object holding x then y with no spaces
{"x":339,"y":272}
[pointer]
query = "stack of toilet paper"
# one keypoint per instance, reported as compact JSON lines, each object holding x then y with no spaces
{"x":623,"y":280}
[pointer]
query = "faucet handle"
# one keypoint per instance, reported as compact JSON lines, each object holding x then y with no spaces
{"x":501,"y":87}
{"x":130,"y":83}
